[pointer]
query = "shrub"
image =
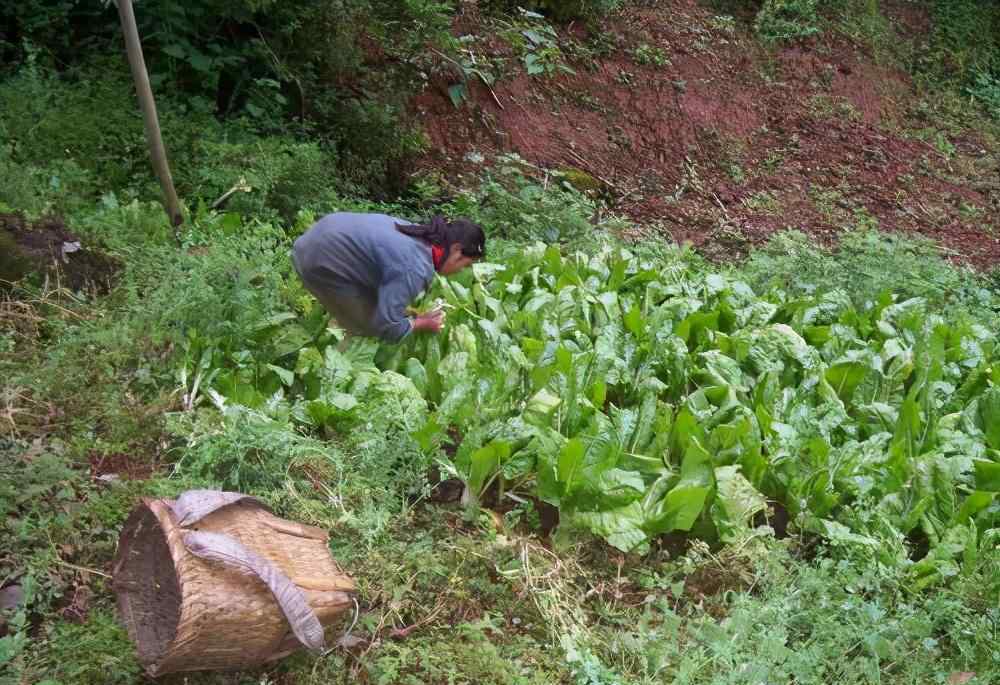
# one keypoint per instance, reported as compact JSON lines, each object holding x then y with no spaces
{"x":281,"y":175}
{"x":965,"y":40}
{"x":986,"y":89}
{"x":86,"y":130}
{"x":512,"y":205}
{"x":82,"y":119}
{"x":868,"y":263}
{"x":234,"y":72}
{"x":784,"y":20}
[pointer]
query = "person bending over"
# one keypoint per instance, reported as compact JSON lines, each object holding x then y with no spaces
{"x":365,"y":269}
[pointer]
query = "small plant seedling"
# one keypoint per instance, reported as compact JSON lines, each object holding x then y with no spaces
{"x":646,"y":54}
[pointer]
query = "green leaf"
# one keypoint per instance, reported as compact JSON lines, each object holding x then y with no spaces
{"x":989,"y":416}
{"x":987,"y":475}
{"x":685,"y":501}
{"x":230,"y":223}
{"x":624,"y":422}
{"x":431,"y":363}
{"x":645,"y":423}
{"x":275,"y":320}
{"x":342,"y":401}
{"x":463,"y":339}
{"x":533,"y":65}
{"x":736,"y":503}
{"x":534,"y":36}
{"x":845,"y":377}
{"x":621,"y":527}
{"x":458,"y":92}
{"x":200,"y":62}
{"x":287,"y":377}
{"x":612,"y":489}
{"x":520,"y":464}
{"x":415,"y":371}
{"x":619,"y":268}
{"x":313,"y":412}
{"x":694,"y":329}
{"x":634,"y":321}
{"x":838,"y":532}
{"x":484,"y":463}
{"x":391,"y":389}
{"x":905,"y":444}
{"x":570,"y":464}
{"x":773,"y":347}
{"x":291,"y":339}
{"x":428,"y":435}
{"x":456,"y":405}
{"x":337,"y":368}
{"x":175,"y":50}
{"x":309,"y":361}
{"x":598,"y":393}
{"x":547,"y":446}
{"x":684,"y":431}
{"x":486,"y":271}
{"x":541,"y":408}
{"x":564,"y":362}
{"x":973,"y":504}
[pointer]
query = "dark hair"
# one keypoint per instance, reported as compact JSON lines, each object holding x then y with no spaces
{"x":444,"y":234}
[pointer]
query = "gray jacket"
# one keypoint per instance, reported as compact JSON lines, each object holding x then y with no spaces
{"x":363,"y":255}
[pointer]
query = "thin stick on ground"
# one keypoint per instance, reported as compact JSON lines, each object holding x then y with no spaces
{"x":82,"y":569}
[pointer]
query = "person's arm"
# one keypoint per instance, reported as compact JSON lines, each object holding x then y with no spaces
{"x":396,"y":292}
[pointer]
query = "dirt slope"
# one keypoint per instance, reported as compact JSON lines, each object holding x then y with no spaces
{"x":723,"y":142}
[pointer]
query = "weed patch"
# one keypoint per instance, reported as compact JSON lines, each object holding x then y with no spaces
{"x":784,"y":20}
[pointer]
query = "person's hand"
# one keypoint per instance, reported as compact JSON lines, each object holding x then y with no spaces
{"x":431,"y":321}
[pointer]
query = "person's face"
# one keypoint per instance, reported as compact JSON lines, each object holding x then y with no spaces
{"x":456,"y":261}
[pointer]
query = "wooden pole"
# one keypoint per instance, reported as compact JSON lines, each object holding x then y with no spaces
{"x":145,"y":93}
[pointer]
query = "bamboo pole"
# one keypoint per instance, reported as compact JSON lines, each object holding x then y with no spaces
{"x":157,"y":151}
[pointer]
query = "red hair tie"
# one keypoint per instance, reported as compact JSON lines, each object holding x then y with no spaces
{"x":437,"y":254}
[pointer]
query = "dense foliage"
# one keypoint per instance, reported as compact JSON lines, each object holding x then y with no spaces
{"x":310,"y":70}
{"x":641,"y":398}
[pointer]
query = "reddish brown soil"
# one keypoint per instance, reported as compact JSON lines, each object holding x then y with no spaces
{"x":125,"y":466}
{"x":47,"y":246}
{"x":729,"y":143}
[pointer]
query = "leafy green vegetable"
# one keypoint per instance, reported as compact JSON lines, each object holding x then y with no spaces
{"x":736,"y":504}
{"x":640,"y":398}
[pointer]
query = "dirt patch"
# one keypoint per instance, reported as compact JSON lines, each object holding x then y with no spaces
{"x":47,"y":246}
{"x":776,"y":516}
{"x":443,"y":490}
{"x":723,"y":143}
{"x":118,"y":465}
{"x":711,"y":579}
{"x":76,"y":604}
